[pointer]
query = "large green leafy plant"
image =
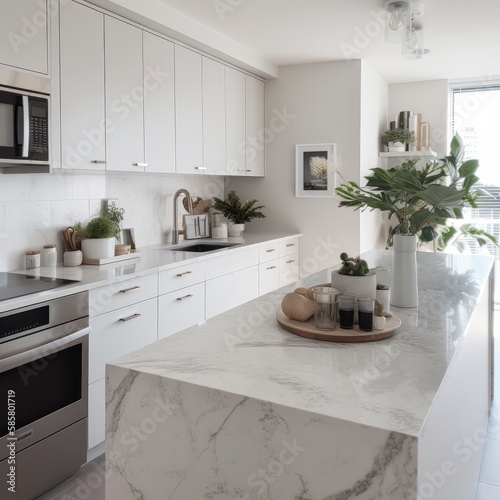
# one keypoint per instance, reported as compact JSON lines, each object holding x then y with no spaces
{"x":422,"y":200}
{"x":232,"y":208}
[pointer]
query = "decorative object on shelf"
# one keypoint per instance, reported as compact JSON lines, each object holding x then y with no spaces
{"x":32,"y":259}
{"x":422,"y":203}
{"x":397,"y":139}
{"x":238,"y":213}
{"x":354,"y":277}
{"x":314,"y":174}
{"x":49,"y":255}
{"x":425,"y":136}
{"x":98,"y":236}
{"x":404,"y":25}
{"x":72,"y":258}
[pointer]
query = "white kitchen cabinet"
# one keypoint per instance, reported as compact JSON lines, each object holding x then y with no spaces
{"x":289,"y":269}
{"x":181,"y":276}
{"x":188,"y":111}
{"x":235,"y":122}
{"x":181,"y":309}
{"x":245,"y":285}
{"x":159,"y":104}
{"x":83,"y":124}
{"x":269,"y":276}
{"x":124,"y":96}
{"x":24,"y":41}
{"x":268,"y":251}
{"x":219,"y":294}
{"x":123,"y":316}
{"x":97,"y":413}
{"x":255,"y":126}
{"x":214,"y":118}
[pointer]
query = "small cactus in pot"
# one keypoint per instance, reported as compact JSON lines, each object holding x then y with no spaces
{"x":353,"y":266}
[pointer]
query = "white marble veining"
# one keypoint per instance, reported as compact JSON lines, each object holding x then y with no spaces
{"x":213,"y":411}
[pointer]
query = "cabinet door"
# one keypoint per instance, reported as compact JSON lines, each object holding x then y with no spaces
{"x":188,"y":111}
{"x":235,"y":122}
{"x":159,"y":107}
{"x":24,"y":40}
{"x":83,"y":124}
{"x":289,"y":269}
{"x":97,"y":412}
{"x":245,"y":285}
{"x":181,"y":309}
{"x":269,"y":277}
{"x":124,"y":96}
{"x":255,"y":125}
{"x":119,"y":332}
{"x":219,"y":295}
{"x":214,"y":119}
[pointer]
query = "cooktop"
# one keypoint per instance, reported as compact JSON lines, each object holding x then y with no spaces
{"x":16,"y":285}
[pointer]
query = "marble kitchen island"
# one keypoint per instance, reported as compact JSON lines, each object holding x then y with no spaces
{"x":239,"y":408}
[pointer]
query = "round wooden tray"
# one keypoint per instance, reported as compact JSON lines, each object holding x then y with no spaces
{"x":308,"y":330}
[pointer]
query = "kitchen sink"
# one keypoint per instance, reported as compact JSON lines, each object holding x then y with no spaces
{"x":202,"y":247}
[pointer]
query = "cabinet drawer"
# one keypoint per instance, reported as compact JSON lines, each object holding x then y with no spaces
{"x":269,"y":277}
{"x":288,"y":247}
{"x":268,"y":251}
{"x":97,"y":412}
{"x":289,"y":269}
{"x":122,"y":294}
{"x":181,"y":276}
{"x":119,"y":332}
{"x":181,"y":309}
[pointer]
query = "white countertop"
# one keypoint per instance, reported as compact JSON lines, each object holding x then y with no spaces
{"x":149,"y":260}
{"x":389,"y":384}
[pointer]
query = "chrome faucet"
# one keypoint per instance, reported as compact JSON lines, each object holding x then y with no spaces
{"x":176,"y":231}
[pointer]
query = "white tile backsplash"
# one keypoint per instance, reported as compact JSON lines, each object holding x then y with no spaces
{"x":34,"y":208}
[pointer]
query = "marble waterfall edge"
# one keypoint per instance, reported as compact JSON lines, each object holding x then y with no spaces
{"x":178,"y":440}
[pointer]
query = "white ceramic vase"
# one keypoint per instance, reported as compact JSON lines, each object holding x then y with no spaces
{"x":396,"y":147}
{"x":404,"y":271}
{"x":98,"y":248}
{"x":235,"y":229}
{"x":359,"y":286}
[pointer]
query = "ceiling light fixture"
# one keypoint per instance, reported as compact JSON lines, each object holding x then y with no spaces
{"x":404,"y":25}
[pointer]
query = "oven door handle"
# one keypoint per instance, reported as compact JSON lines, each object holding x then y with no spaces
{"x":41,"y":350}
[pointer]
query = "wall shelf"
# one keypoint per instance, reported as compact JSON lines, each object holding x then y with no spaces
{"x":409,"y":154}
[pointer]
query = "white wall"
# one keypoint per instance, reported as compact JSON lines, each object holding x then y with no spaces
{"x":374,"y":103}
{"x":35,"y":208}
{"x":324,"y":100}
{"x":429,"y":98}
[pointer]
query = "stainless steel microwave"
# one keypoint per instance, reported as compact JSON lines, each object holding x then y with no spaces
{"x":24,"y":129}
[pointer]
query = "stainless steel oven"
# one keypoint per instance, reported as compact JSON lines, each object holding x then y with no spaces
{"x":43,"y":394}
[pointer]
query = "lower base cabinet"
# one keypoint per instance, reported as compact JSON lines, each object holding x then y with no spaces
{"x":97,"y":412}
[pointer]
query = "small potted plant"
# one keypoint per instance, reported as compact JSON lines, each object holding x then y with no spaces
{"x":354,"y":277}
{"x":98,"y":236}
{"x":397,"y":139}
{"x":238,"y":213}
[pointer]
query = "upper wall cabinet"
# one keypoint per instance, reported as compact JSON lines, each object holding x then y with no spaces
{"x":235,"y":122}
{"x":214,"y":119}
{"x":159,"y":105}
{"x":83,"y":123}
{"x":255,"y":127}
{"x":24,"y":40}
{"x":188,"y":111}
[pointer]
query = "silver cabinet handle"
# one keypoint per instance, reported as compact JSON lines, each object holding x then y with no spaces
{"x":26,"y":126}
{"x":289,"y":261}
{"x":132,"y":316}
{"x":290,"y":245}
{"x":99,"y":162}
{"x":131,"y":289}
{"x":200,"y":168}
{"x":269,"y":268}
{"x":140,"y":164}
{"x":271,"y":250}
{"x":185,"y":273}
{"x":188,"y":296}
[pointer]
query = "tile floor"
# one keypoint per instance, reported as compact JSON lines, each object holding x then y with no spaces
{"x":88,"y":484}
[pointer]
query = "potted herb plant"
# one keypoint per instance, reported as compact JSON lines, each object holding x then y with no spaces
{"x":422,"y":202}
{"x":98,"y":236}
{"x":237,"y":212}
{"x":397,"y":139}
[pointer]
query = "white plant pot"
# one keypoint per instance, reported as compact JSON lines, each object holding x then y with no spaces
{"x":404,"y":271}
{"x":235,"y":229}
{"x":396,"y":147}
{"x":359,"y":286}
{"x":98,"y":248}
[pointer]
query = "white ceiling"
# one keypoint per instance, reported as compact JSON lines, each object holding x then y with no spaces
{"x":463,"y":36}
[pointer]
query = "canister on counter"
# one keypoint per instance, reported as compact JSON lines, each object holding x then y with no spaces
{"x":49,"y":255}
{"x":32,"y":259}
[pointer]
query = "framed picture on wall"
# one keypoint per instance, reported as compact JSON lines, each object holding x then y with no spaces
{"x":314,"y":175}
